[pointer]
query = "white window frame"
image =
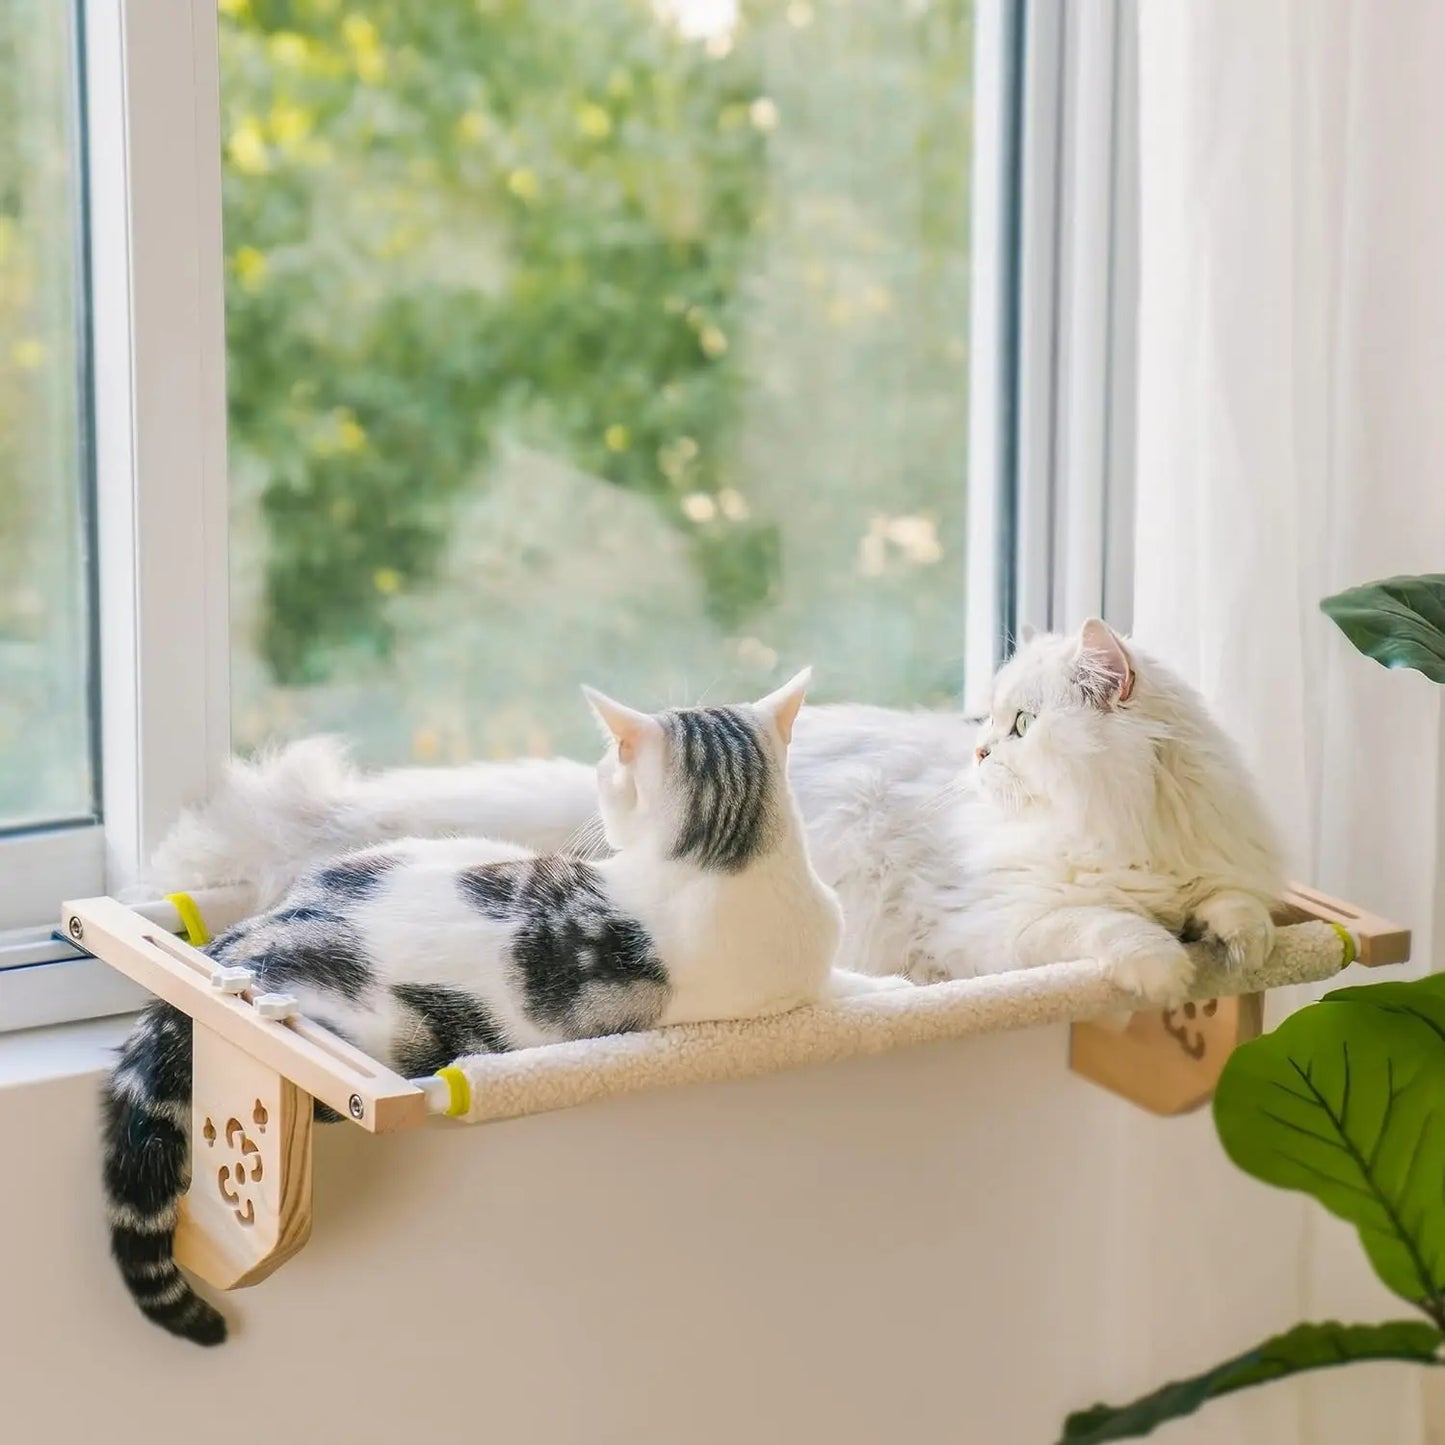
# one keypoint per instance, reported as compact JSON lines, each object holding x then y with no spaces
{"x":151,"y":102}
{"x":992,"y":344}
{"x":1077,"y":297}
{"x":1050,"y":330}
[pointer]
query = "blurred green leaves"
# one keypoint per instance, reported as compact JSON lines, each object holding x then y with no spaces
{"x":449,"y":223}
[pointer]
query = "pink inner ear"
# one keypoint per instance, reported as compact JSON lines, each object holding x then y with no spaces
{"x":1105,"y":652}
{"x":631,"y":732}
{"x":627,"y":726}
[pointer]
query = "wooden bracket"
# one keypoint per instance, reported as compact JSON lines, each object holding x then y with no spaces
{"x":249,"y":1205}
{"x":1169,"y":1061}
{"x":254,"y":1082}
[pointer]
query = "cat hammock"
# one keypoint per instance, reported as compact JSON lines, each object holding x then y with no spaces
{"x":259,"y":1064}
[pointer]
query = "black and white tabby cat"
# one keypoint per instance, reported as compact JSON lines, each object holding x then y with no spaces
{"x":424,"y":950}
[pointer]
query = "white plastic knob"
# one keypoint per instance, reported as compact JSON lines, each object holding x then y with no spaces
{"x":275,"y":1005}
{"x":232,"y":980}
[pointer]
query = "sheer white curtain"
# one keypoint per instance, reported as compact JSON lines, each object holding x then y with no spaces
{"x":1291,"y":441}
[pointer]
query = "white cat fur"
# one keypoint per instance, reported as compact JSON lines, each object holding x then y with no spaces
{"x":1120,"y":816}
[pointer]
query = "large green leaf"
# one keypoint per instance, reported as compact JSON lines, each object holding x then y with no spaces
{"x":1346,"y":1101}
{"x":1400,"y":622}
{"x":1306,"y":1347}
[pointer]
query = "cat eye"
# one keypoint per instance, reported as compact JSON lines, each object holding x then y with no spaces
{"x":1021,"y":724}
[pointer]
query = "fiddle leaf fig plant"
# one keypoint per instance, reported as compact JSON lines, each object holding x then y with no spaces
{"x":1305,"y":1347}
{"x":1400,"y":622}
{"x":1344,"y":1101}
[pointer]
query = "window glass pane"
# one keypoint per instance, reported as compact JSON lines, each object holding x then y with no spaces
{"x":46,"y":771}
{"x":624,"y":342}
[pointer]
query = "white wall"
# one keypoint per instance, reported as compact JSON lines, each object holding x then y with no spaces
{"x":935,"y":1246}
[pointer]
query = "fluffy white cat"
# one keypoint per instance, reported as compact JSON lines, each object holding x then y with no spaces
{"x":1099,"y":812}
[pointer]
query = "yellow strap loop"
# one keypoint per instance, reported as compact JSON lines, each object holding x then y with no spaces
{"x":197,"y":934}
{"x":459,"y":1091}
{"x":1347,"y":939}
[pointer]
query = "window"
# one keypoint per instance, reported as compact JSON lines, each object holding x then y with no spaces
{"x":666,"y":344}
{"x":156,"y":419}
{"x":626,"y":343}
{"x":47,"y":772}
{"x":50,"y":843}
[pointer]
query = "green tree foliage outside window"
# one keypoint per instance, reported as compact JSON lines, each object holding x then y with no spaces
{"x":722,"y":272}
{"x":617,"y":179}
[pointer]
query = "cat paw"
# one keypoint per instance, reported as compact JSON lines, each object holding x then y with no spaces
{"x":1159,"y":973}
{"x":1240,"y":925}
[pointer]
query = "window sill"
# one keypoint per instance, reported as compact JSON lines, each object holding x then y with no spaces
{"x":62,"y":990}
{"x":61,"y":1051}
{"x":45,"y":980}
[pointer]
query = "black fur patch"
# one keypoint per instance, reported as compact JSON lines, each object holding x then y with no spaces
{"x":328,"y":956}
{"x":354,"y":877}
{"x":190,"y":1317}
{"x":564,"y":957}
{"x":727,"y":773}
{"x":306,"y":913}
{"x":491,"y":888}
{"x":134,"y":1248}
{"x":146,"y":1172}
{"x":224,"y":945}
{"x":161,"y":1047}
{"x":583,"y":968}
{"x":454,"y":1022}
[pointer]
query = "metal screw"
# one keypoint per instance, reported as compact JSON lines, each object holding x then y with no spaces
{"x":357,"y":1108}
{"x":75,"y":928}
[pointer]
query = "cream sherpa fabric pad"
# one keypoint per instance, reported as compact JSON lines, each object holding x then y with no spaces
{"x":558,"y":1076}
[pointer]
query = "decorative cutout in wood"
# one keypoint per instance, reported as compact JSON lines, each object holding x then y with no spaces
{"x":1169,"y":1060}
{"x":245,"y":1169}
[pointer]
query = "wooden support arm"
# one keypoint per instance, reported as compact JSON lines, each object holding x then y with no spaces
{"x":312,"y":1057}
{"x":1377,"y":941}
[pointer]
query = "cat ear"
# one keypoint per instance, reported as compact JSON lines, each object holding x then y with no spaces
{"x":629,"y":727}
{"x":1104,"y":664}
{"x":781,"y":707}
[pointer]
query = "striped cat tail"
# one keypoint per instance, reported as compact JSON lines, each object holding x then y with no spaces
{"x":147,"y":1168}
